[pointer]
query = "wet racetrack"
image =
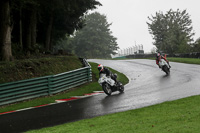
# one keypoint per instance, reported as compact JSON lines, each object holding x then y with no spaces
{"x":148,"y":85}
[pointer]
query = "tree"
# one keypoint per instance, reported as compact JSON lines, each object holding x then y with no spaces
{"x":38,"y":23}
{"x":25,"y":18}
{"x":5,"y":31}
{"x":95,"y":40}
{"x":66,"y":45}
{"x":196,"y":47}
{"x":172,"y":31}
{"x":62,"y":17}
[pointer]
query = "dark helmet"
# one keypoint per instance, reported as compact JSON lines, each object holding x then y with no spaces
{"x":100,"y":67}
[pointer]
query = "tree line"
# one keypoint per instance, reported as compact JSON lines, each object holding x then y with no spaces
{"x":173,"y":32}
{"x":28,"y":26}
{"x":94,"y":40}
{"x":33,"y":26}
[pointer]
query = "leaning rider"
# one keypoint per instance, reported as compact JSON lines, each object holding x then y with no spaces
{"x":106,"y":71}
{"x":158,"y":57}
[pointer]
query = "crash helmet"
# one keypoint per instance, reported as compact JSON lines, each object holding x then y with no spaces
{"x":158,"y":55}
{"x":100,"y":67}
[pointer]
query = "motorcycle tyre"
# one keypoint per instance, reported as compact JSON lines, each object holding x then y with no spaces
{"x":121,"y":87}
{"x":166,"y":70}
{"x":105,"y":87}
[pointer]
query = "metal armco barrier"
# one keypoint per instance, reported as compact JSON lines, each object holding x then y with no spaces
{"x":43,"y":86}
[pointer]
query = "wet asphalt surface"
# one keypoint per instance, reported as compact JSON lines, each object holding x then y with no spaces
{"x":148,"y":86}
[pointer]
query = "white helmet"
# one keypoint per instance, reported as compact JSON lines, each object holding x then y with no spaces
{"x":100,"y":67}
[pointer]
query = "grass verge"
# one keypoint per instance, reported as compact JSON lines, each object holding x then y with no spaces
{"x":182,"y":60}
{"x":175,"y":59}
{"x":185,"y":60}
{"x":180,"y":116}
{"x":78,"y":91}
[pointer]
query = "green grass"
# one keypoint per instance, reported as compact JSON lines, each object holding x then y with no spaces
{"x":31,"y":68}
{"x":78,"y":91}
{"x":182,"y":60}
{"x":180,"y":116}
{"x":185,"y":60}
{"x":172,"y":59}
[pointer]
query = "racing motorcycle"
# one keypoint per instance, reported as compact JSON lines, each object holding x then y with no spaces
{"x":109,"y":85}
{"x":164,"y":66}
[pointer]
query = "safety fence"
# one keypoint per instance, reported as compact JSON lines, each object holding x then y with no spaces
{"x":43,"y":86}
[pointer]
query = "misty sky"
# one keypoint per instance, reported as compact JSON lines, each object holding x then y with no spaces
{"x":129,"y":17}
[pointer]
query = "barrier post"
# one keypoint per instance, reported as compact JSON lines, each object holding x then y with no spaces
{"x":50,"y":79}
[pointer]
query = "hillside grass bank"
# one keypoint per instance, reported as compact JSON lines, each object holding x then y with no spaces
{"x":31,"y":68}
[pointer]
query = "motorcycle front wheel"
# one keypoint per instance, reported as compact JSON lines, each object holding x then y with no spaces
{"x":107,"y":89}
{"x":121,"y":87}
{"x":166,"y":70}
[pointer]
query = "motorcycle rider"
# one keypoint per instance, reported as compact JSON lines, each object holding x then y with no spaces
{"x":158,"y":57}
{"x":106,"y":71}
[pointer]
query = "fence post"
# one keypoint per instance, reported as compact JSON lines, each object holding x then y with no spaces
{"x":88,"y":73}
{"x":50,"y":79}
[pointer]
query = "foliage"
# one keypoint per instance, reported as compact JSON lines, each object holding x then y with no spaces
{"x":95,"y":40}
{"x":65,"y":45}
{"x":44,"y":22}
{"x":67,"y":15}
{"x":196,"y":46}
{"x":30,"y":68}
{"x":172,"y":31}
